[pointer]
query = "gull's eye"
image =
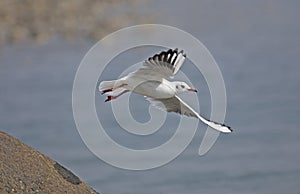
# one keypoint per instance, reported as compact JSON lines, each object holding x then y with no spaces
{"x":182,"y":86}
{"x":177,"y":87}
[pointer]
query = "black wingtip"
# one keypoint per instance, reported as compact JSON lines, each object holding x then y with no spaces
{"x":230,"y":129}
{"x":166,"y":56}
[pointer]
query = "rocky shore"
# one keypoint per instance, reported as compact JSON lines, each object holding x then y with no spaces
{"x":41,"y":20}
{"x":25,"y":170}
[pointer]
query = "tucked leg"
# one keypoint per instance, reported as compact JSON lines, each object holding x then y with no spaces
{"x":112,"y":89}
{"x":110,"y":98}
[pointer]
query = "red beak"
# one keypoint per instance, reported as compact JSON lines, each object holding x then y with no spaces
{"x":192,"y":90}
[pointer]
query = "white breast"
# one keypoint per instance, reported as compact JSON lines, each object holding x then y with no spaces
{"x":154,"y":89}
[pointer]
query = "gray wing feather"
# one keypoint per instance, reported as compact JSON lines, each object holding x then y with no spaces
{"x":174,"y":104}
{"x":164,"y":65}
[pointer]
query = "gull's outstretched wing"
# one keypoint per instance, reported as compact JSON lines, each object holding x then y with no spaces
{"x":175,"y":104}
{"x":163,"y":65}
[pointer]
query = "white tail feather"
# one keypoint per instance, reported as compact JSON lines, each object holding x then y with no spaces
{"x":106,"y":85}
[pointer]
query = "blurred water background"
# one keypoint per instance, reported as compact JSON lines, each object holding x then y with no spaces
{"x":255,"y":43}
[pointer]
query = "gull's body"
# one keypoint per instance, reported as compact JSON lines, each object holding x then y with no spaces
{"x":151,"y":88}
{"x":151,"y":81}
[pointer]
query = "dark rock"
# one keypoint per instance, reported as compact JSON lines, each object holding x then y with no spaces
{"x":25,"y":170}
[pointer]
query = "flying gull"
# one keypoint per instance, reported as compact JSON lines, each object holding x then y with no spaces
{"x":151,"y":81}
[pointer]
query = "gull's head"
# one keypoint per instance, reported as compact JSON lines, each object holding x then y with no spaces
{"x":181,"y":87}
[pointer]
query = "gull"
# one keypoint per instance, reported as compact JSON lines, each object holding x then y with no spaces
{"x":151,"y":81}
